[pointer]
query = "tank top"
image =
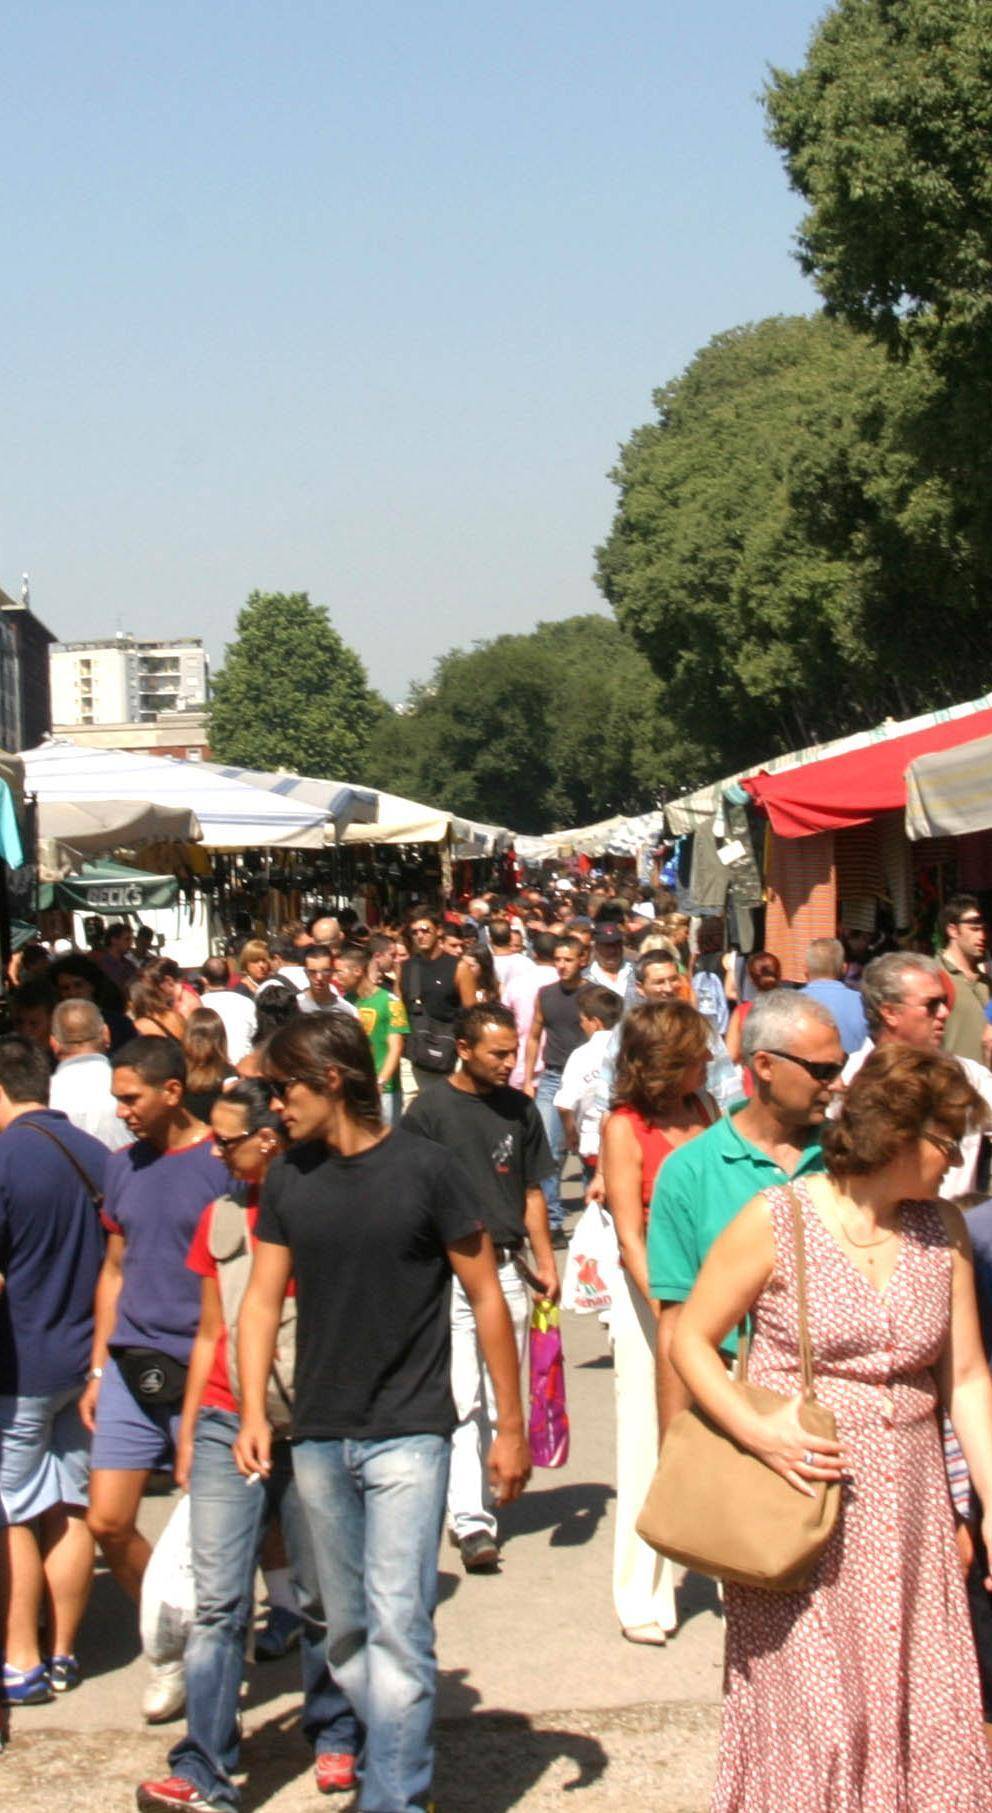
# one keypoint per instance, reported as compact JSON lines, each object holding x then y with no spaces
{"x":655,"y":1145}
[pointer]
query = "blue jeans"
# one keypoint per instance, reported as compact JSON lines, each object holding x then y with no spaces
{"x":227,"y":1520}
{"x":548,"y":1085}
{"x":375,"y":1511}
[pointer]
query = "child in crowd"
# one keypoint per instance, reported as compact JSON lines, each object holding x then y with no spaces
{"x":576,"y":1101}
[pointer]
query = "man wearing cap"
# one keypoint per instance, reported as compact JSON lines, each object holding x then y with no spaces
{"x":608,"y":967}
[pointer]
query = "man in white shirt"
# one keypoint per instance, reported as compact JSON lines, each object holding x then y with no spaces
{"x":608,"y":967}
{"x":520,"y":994}
{"x":236,"y":1011}
{"x":905,"y":1002}
{"x":320,"y":995}
{"x":577,"y":1099}
{"x":507,"y":962}
{"x":81,"y":1085}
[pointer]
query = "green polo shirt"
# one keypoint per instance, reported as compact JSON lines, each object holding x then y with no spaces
{"x":698,"y":1190}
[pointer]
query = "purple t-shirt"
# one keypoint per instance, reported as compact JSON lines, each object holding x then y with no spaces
{"x":155,"y":1200}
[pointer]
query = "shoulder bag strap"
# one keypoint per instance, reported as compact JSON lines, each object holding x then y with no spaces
{"x":95,"y":1195}
{"x":805,"y":1344}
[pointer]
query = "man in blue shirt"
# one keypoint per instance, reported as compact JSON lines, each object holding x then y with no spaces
{"x":51,"y":1250}
{"x":824,"y":968}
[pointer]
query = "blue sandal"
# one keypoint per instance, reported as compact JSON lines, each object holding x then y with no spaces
{"x":25,"y":1686}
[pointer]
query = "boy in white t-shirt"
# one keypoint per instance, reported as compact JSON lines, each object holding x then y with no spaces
{"x":599,"y":1010}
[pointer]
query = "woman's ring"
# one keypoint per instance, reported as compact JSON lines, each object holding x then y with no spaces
{"x":809,"y":1459}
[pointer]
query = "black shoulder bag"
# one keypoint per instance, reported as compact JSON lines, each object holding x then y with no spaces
{"x":431,"y":1045}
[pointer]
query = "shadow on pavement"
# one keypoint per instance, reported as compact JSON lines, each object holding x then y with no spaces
{"x":108,"y":1636}
{"x":572,"y":1513}
{"x":694,"y":1594}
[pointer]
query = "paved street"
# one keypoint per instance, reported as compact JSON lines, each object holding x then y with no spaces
{"x":540,"y":1696}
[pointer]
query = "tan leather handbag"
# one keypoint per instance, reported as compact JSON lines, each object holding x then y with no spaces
{"x":717,"y":1508}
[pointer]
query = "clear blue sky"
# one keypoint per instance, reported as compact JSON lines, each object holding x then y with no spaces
{"x":361,"y":299}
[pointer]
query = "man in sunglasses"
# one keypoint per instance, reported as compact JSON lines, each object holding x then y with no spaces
{"x":905,"y":1001}
{"x":962,"y":926}
{"x":792,"y":1048}
{"x":434,"y":985}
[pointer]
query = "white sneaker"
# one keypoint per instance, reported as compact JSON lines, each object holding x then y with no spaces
{"x":165,"y":1694}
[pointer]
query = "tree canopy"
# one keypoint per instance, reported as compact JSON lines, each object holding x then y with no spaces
{"x":775,"y":554}
{"x":291,"y":693}
{"x":555,"y":728}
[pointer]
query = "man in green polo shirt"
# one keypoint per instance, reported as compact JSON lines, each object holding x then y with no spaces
{"x":383,"y":1017}
{"x":792,"y":1048}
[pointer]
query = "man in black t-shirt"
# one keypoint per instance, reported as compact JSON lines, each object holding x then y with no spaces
{"x":556,"y":1021}
{"x":371,"y":1224}
{"x":434,"y":985}
{"x":496,"y":1134}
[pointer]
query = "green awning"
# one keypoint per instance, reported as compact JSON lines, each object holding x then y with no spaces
{"x":110,"y":888}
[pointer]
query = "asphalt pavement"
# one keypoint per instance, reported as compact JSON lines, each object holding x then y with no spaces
{"x":542,"y":1703}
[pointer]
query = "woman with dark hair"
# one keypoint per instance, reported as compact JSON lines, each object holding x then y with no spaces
{"x":208,"y":1066}
{"x":860,"y":1691}
{"x":480,"y":962}
{"x":659,"y":1103}
{"x":150,"y":1000}
{"x":276,"y":1005}
{"x":765,"y":973}
{"x":75,"y":977}
{"x":305,"y":1047}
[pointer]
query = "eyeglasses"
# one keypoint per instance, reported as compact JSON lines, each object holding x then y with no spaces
{"x":227,"y":1145}
{"x":821,"y":1073}
{"x":421,"y":931}
{"x":950,"y":1147}
{"x":279,"y":1087}
{"x":931,"y":1004}
{"x":972,"y":920}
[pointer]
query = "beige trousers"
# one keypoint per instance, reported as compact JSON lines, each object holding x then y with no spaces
{"x":643,"y":1583}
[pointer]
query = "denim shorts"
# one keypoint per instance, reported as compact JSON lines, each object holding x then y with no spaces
{"x":44,"y":1454}
{"x":127,"y":1434}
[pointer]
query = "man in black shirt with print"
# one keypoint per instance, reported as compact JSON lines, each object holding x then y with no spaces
{"x":496,"y":1134}
{"x":371,"y":1224}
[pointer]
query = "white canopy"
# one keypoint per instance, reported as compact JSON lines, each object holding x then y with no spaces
{"x":618,"y":836}
{"x":406,"y":821}
{"x":949,"y":793}
{"x":230,"y":816}
{"x":342,"y":802}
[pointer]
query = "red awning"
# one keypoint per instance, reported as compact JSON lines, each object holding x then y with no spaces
{"x":851,"y":789}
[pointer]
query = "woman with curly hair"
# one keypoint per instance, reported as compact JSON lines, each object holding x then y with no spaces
{"x":659,"y":1103}
{"x":860,"y":1691}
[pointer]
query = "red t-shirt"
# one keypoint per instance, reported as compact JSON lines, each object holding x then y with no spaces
{"x":200,"y":1259}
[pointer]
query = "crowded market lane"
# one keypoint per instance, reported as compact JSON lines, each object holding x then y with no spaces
{"x":539,"y":1696}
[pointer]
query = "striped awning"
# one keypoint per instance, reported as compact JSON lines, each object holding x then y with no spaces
{"x":950,"y":793}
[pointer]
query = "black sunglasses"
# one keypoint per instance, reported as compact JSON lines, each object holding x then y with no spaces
{"x":232,"y":1140}
{"x":278,"y":1086}
{"x":821,"y":1073}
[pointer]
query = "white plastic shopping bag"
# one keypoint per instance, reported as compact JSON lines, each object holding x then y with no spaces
{"x":593,"y":1257}
{"x":168,"y":1594}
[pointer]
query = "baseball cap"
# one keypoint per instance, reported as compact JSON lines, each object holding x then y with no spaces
{"x":607,"y":934}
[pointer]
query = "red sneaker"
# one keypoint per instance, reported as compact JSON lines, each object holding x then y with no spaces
{"x":335,"y":1772}
{"x":174,"y":1791}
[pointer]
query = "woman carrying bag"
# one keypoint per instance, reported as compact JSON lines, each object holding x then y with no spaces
{"x":859,"y":1692}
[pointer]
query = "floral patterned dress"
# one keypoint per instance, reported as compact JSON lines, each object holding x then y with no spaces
{"x":860,"y":1694}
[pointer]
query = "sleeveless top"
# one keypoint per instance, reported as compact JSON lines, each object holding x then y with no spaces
{"x":655,"y":1145}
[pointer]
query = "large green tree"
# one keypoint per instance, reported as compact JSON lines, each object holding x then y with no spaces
{"x":887,"y":135}
{"x":291,"y":693}
{"x":555,"y":728}
{"x":776,"y":557}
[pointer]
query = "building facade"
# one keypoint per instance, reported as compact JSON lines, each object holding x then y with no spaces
{"x":25,"y":694}
{"x":180,"y":733}
{"x":126,"y":680}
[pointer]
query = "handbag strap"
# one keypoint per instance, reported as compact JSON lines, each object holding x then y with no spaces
{"x":805,"y":1344}
{"x":95,"y":1195}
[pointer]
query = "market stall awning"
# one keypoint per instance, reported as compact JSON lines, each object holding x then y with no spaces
{"x":112,"y":824}
{"x":230,"y":815}
{"x":950,"y":793}
{"x":342,"y":802}
{"x":852,"y":789}
{"x":110,"y":887}
{"x":408,"y":821}
{"x":623,"y":835}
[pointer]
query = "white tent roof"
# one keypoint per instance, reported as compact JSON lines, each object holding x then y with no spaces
{"x":618,"y":836}
{"x":949,"y":793}
{"x":407,"y":821}
{"x":230,"y":815}
{"x":342,"y":802}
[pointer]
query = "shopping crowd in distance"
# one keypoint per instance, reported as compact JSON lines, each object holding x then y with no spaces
{"x":279,"y":1227}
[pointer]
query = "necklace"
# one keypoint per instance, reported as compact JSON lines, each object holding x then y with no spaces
{"x":863,"y":1246}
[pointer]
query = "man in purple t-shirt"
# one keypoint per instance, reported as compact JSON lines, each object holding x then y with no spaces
{"x":147,"y":1301}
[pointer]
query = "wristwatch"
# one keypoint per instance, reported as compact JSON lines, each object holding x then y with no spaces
{"x":95,"y":1372}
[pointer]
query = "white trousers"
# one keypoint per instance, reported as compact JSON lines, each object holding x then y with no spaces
{"x":470,"y":1503}
{"x":643,"y":1583}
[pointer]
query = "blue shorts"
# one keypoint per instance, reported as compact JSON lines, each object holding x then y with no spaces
{"x":44,"y":1455}
{"x":128,"y":1435}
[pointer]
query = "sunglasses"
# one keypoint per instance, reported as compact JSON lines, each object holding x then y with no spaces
{"x":421,"y":931}
{"x":227,"y":1145}
{"x":279,"y":1087}
{"x":950,"y":1147}
{"x":972,"y":922}
{"x":821,"y":1073}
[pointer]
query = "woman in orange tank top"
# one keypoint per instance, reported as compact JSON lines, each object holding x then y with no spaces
{"x":659,"y":1102}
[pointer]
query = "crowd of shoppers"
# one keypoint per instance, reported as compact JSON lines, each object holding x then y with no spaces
{"x":279,"y":1228}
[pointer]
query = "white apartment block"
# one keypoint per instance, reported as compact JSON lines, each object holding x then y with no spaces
{"x":126,"y":680}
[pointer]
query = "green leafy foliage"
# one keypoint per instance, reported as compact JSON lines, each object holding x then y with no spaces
{"x":291,"y":693}
{"x":559,"y":727}
{"x":776,"y":554}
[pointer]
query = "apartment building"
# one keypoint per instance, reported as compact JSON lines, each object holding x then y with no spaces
{"x":126,"y":680}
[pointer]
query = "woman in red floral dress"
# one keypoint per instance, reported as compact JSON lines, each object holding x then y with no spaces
{"x":859,"y":1694}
